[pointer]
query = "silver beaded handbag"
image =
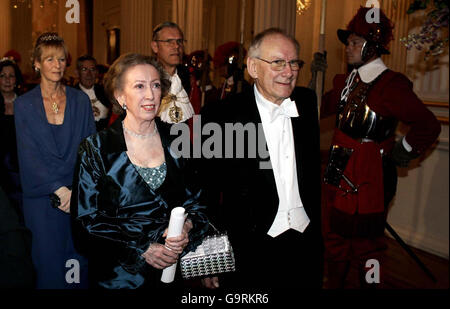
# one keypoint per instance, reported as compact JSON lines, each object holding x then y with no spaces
{"x":213,"y":256}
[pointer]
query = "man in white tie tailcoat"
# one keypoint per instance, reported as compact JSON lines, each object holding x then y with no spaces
{"x":270,"y":202}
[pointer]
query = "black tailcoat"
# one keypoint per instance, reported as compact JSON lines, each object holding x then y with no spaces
{"x":244,"y":197}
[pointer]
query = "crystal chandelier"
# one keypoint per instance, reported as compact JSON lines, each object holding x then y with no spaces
{"x":302,"y":6}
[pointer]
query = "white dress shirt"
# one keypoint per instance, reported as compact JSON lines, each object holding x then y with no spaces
{"x":277,"y":128}
{"x":182,"y":101}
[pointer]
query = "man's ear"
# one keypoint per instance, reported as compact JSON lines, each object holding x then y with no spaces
{"x":154,"y":46}
{"x":252,"y":67}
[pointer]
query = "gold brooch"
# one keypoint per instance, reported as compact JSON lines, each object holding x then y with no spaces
{"x":175,"y":113}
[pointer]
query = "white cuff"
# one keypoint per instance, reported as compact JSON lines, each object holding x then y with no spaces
{"x":406,"y":145}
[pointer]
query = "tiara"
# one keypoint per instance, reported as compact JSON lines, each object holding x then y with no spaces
{"x":50,"y":37}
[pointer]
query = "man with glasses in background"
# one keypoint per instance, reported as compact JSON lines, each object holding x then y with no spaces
{"x":168,"y":46}
{"x":87,"y":75}
{"x":271,"y":211}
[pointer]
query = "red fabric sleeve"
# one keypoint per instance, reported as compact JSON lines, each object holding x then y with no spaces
{"x":396,"y":98}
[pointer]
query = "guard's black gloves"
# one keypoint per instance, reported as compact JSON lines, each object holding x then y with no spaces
{"x":319,"y":63}
{"x":401,"y":156}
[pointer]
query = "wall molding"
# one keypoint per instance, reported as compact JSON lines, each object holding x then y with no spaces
{"x":422,"y":241}
{"x":440,"y":108}
{"x":436,"y":104}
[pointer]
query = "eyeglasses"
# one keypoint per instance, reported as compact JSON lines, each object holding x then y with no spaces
{"x":280,"y":64}
{"x":172,"y":42}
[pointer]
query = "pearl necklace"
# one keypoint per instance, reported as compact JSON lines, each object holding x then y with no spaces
{"x":142,"y":136}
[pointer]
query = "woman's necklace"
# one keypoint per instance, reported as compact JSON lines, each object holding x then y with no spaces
{"x":10,"y":100}
{"x":142,"y":136}
{"x":9,"y":104}
{"x":54,"y":106}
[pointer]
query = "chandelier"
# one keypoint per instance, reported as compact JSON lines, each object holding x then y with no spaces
{"x":302,"y":6}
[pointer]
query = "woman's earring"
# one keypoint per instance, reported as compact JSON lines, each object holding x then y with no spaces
{"x":124,"y":107}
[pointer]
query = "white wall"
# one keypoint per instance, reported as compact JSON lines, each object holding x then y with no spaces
{"x":420,"y":212}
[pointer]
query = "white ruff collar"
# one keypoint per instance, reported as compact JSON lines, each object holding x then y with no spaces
{"x":372,"y":70}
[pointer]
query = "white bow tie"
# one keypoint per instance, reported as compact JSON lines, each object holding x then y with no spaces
{"x":287,"y":109}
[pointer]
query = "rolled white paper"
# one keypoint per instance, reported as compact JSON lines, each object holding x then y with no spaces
{"x":176,"y":223}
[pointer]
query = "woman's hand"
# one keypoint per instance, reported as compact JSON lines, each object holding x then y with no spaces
{"x":64,"y":195}
{"x":162,"y":256}
{"x":177,"y":244}
{"x":159,"y":256}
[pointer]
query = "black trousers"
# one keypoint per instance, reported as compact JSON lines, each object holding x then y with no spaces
{"x":290,"y":260}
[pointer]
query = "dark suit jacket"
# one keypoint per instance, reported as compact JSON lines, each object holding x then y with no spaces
{"x":184,"y":75}
{"x":249,"y":198}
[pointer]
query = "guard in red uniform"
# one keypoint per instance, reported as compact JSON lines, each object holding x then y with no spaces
{"x":203,"y":91}
{"x":226,"y":64}
{"x":361,"y":175}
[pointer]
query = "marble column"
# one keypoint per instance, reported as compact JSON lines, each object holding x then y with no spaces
{"x":179,"y":12}
{"x":193,"y":30}
{"x":275,"y":13}
{"x":5,"y":27}
{"x":44,"y":18}
{"x":21,"y":40}
{"x":136,"y":20}
{"x":397,"y":13}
